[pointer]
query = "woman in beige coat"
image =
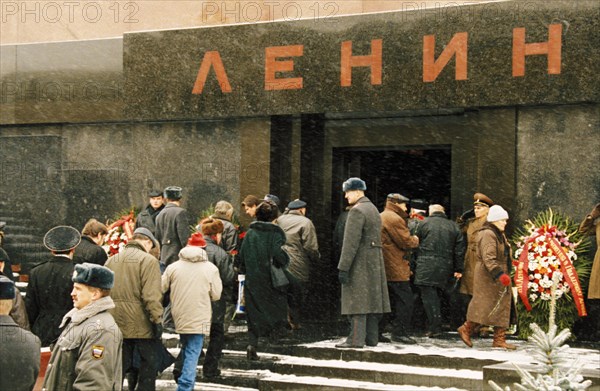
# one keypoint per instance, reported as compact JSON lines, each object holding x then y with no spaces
{"x":492,"y":295}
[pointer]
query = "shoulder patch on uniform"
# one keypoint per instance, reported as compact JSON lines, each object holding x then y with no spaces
{"x":98,"y":352}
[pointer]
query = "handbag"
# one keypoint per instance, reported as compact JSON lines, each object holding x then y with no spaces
{"x":278,"y":277}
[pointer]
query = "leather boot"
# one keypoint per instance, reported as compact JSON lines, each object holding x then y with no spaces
{"x":251,"y":353}
{"x":500,"y":339}
{"x":465,"y":332}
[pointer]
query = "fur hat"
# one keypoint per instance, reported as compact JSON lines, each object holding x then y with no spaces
{"x":354,"y":184}
{"x":173,"y":193}
{"x":482,"y":199}
{"x":497,"y":213}
{"x":211,"y":226}
{"x":419,"y":203}
{"x":7,"y":288}
{"x":146,"y":232}
{"x":94,"y":275}
{"x":62,"y":238}
{"x":196,"y":240}
{"x":296,"y":204}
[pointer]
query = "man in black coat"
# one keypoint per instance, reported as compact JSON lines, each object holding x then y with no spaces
{"x":172,"y":227}
{"x":48,"y":296}
{"x":89,"y":250}
{"x":212,"y":230}
{"x":439,"y":259}
{"x":19,"y":348}
{"x":147,"y":217}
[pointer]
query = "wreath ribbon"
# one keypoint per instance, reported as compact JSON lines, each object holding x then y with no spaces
{"x":521,"y":278}
{"x":570,"y":274}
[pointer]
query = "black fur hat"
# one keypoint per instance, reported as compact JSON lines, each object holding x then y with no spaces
{"x":62,"y":238}
{"x":94,"y":275}
{"x":173,"y":193}
{"x":354,"y":184}
{"x":7,"y":288}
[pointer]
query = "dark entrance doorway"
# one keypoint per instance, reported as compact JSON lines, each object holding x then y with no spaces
{"x":414,"y":171}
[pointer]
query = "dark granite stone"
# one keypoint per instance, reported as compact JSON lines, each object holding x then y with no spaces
{"x":30,"y":181}
{"x":61,"y":82}
{"x":161,"y":67}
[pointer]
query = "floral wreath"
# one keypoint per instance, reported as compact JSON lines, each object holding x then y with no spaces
{"x":119,"y":233}
{"x":550,"y":248}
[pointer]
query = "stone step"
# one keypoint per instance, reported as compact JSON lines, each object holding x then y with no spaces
{"x":21,"y":229}
{"x":22,"y":237}
{"x":370,"y":372}
{"x":278,"y":382}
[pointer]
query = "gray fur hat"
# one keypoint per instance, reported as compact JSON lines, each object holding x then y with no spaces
{"x":94,"y":275}
{"x":354,"y":184}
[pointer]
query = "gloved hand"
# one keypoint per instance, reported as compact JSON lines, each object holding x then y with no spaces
{"x":504,"y":279}
{"x":157,"y":330}
{"x":343,"y":277}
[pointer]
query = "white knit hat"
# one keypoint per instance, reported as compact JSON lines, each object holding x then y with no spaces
{"x":497,"y":213}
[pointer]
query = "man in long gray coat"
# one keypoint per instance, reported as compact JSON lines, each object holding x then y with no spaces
{"x":361,"y":269}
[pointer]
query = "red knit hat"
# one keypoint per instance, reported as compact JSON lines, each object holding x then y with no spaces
{"x":196,"y":240}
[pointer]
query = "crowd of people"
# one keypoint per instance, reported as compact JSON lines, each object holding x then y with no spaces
{"x":103,"y":316}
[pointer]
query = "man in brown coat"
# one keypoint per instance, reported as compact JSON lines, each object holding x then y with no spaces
{"x":395,"y":240}
{"x":138,"y":309}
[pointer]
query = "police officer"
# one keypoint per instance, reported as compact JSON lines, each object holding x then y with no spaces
{"x":88,"y":352}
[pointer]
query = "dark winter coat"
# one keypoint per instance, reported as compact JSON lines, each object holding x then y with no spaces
{"x":88,"y":251}
{"x":224,"y":263}
{"x":19,"y":356}
{"x":395,"y":241}
{"x":48,"y":297}
{"x":229,"y":237}
{"x":366,"y":291}
{"x":441,"y":251}
{"x":300,"y":243}
{"x":18,"y":311}
{"x":137,"y":291}
{"x":147,"y":218}
{"x":172,"y":232}
{"x":467,"y":280}
{"x":491,"y":302}
{"x":338,"y":234}
{"x":266,"y":307}
{"x":88,"y":354}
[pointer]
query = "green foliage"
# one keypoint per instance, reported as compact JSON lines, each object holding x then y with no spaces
{"x":550,"y":353}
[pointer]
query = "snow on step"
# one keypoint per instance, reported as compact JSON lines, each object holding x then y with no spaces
{"x":381,"y":367}
{"x":170,"y":385}
{"x":341,"y":383}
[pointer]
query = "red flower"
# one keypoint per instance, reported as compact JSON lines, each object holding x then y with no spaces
{"x":242,"y":235}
